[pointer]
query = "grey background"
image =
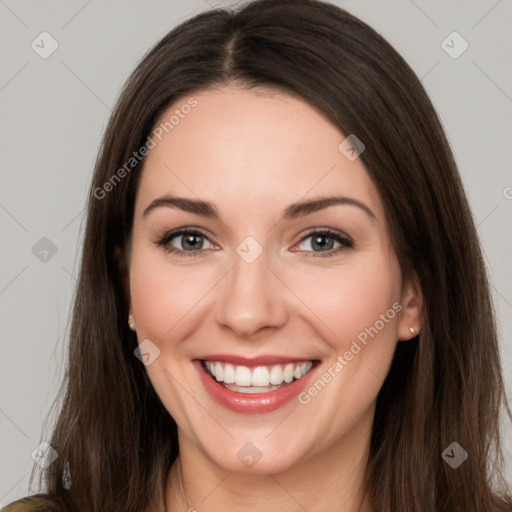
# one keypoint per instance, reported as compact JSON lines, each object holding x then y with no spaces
{"x":53,"y":114}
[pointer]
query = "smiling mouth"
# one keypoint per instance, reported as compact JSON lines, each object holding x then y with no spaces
{"x":257,"y":379}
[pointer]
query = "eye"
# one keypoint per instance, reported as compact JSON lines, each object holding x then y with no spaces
{"x":191,"y":242}
{"x":185,"y":242}
{"x":325,"y":242}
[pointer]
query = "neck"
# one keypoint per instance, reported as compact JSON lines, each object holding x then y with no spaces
{"x":330,"y":480}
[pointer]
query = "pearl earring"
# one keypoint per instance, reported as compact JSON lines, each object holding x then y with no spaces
{"x":412,"y":330}
{"x":131,"y":322}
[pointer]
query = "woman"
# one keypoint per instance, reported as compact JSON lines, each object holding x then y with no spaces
{"x":282,"y":301}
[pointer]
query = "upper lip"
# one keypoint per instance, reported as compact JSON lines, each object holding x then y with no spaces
{"x":265,"y":360}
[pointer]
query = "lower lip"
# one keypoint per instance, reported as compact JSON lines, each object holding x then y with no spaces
{"x":252,"y":403}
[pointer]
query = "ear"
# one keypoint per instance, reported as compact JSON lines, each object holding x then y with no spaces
{"x":124,"y":276}
{"x":412,"y":306}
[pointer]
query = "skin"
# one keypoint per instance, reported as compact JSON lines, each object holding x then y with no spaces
{"x":252,"y":153}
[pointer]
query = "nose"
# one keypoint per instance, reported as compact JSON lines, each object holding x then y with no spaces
{"x":252,"y":298}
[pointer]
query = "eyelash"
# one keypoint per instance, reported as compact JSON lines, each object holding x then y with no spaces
{"x":345,"y":241}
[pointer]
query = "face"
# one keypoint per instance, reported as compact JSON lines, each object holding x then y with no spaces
{"x":239,"y":268}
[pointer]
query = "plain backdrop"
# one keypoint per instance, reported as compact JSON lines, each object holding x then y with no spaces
{"x":53,"y":113}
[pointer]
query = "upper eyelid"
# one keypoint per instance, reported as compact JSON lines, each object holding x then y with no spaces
{"x":329,"y":231}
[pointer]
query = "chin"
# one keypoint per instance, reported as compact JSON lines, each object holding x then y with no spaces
{"x":241,"y":455}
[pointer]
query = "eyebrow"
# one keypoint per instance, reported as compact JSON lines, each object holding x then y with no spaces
{"x":291,"y":212}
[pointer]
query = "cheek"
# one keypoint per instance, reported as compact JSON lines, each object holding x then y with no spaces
{"x":360,"y":307}
{"x":165,"y":300}
{"x":163,"y":294}
{"x":352,"y":300}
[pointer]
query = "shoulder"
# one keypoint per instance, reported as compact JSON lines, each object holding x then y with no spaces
{"x":35,"y":503}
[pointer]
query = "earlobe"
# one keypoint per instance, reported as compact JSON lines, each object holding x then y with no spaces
{"x":409,"y":324}
{"x":131,"y":322}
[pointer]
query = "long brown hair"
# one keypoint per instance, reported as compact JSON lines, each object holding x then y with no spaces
{"x":114,"y":437}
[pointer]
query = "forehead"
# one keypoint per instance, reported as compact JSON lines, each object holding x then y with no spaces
{"x":250,"y":149}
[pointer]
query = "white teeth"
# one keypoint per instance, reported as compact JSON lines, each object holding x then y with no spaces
{"x":288,"y":372}
{"x":219,"y":371}
{"x":259,"y":376}
{"x":242,"y":376}
{"x":276,"y":375}
{"x":250,"y":389}
{"x":229,"y":374}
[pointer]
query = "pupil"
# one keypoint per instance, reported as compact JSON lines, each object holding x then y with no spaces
{"x":189,"y":241}
{"x":320,"y":241}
